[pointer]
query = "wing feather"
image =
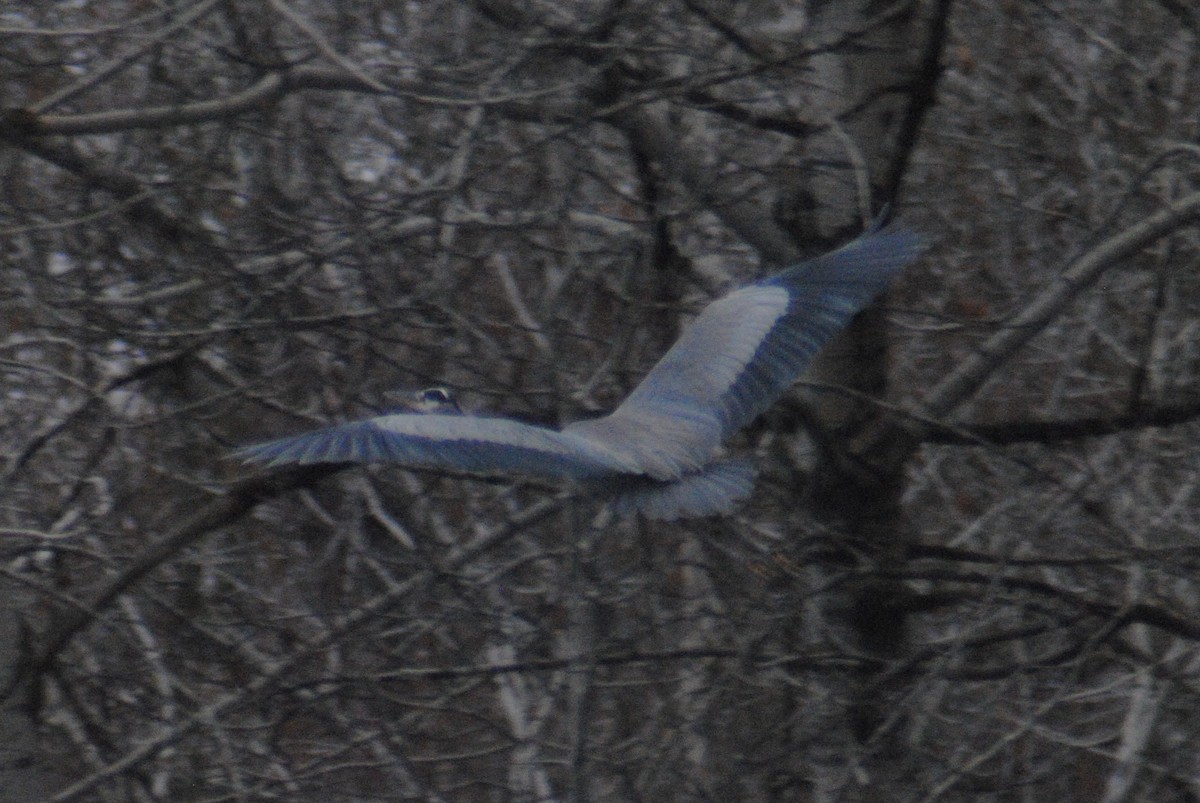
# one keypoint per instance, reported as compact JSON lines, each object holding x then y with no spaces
{"x":452,"y":442}
{"x":745,"y":349}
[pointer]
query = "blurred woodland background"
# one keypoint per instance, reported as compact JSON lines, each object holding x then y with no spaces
{"x":970,"y":569}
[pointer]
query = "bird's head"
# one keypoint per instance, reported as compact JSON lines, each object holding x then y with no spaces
{"x":428,"y":401}
{"x":435,"y":400}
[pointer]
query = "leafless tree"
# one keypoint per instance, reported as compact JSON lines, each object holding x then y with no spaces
{"x":969,"y":569}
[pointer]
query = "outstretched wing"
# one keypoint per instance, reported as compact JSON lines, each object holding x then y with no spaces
{"x":823,"y":295}
{"x":745,"y":349}
{"x":449,"y":442}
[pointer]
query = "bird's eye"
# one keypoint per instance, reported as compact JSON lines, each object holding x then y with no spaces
{"x":439,"y":401}
{"x":439,"y":395}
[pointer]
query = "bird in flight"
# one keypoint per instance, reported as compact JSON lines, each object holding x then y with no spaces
{"x":659,"y":452}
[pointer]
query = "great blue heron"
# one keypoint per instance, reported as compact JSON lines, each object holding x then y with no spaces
{"x":658,"y":453}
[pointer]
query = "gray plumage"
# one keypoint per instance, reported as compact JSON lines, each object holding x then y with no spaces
{"x":657,"y":453}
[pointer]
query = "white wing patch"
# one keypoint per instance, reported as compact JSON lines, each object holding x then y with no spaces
{"x":712,"y":352}
{"x":672,"y":423}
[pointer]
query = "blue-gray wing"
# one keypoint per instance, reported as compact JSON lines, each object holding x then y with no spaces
{"x":449,"y":442}
{"x":745,"y":349}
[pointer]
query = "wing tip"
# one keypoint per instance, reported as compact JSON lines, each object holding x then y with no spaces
{"x":346,"y":443}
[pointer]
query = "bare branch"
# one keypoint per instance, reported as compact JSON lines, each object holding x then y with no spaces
{"x":269,"y":88}
{"x":1081,"y":274}
{"x":114,"y":65}
{"x":1002,"y":433}
{"x":652,"y":130}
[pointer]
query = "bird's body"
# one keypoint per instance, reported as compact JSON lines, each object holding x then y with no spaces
{"x":658,"y":452}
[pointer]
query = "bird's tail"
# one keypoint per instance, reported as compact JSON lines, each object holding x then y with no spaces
{"x":713,"y":490}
